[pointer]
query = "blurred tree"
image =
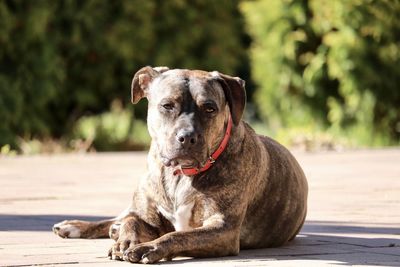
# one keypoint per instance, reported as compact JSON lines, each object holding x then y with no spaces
{"x":62,"y":59}
{"x":334,"y":64}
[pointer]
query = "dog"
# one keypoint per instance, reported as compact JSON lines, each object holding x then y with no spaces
{"x":213,"y":187}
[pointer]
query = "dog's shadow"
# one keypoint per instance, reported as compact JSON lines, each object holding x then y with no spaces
{"x":331,"y":242}
{"x":42,"y":222}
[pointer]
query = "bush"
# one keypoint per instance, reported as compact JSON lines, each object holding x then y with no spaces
{"x":114,"y":130}
{"x":61,"y":60}
{"x":328,"y":64}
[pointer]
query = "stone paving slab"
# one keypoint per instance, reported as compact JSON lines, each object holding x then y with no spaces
{"x":353,"y":218}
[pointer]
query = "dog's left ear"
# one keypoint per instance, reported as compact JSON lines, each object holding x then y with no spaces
{"x":142,"y":80}
{"x":235,"y":93}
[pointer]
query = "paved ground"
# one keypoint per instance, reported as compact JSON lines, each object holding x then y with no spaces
{"x":354,"y":210}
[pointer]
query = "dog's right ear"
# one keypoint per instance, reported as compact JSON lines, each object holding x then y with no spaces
{"x":142,"y":80}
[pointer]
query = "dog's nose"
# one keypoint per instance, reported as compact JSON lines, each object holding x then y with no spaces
{"x":187,"y":138}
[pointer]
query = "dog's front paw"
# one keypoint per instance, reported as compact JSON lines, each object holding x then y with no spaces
{"x":145,"y":253}
{"x":123,"y":243}
{"x":68,"y":229}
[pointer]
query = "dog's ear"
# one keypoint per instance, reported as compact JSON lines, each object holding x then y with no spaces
{"x":141,"y":81}
{"x":235,"y":94}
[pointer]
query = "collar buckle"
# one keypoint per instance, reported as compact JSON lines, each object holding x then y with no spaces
{"x":211,"y":159}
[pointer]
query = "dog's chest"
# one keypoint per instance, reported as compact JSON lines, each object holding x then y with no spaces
{"x":180,"y":217}
{"x":179,"y":210}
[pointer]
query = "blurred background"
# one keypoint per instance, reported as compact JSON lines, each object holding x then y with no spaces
{"x":321,"y":74}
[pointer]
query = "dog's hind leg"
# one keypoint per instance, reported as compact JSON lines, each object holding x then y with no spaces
{"x":83,"y":229}
{"x":87,"y":229}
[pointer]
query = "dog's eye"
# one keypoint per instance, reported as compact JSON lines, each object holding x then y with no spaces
{"x":210,"y":110}
{"x":168,"y":106}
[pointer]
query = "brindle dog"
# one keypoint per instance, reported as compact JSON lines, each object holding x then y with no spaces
{"x":252,"y":194}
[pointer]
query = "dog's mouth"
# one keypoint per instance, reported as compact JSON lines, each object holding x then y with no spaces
{"x":182,"y":161}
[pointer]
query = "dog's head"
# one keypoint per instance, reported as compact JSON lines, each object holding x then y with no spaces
{"x":188,"y":111}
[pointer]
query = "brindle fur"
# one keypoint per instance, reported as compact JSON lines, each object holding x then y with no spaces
{"x":254,"y":196}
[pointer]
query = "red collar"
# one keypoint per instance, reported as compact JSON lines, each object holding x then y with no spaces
{"x":210,"y":161}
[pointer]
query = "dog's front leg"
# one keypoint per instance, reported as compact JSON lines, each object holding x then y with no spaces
{"x":212,"y":240}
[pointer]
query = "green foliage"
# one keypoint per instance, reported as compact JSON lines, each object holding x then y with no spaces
{"x":7,"y":151}
{"x":113,"y":130}
{"x":60,"y":60}
{"x":328,"y":64}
